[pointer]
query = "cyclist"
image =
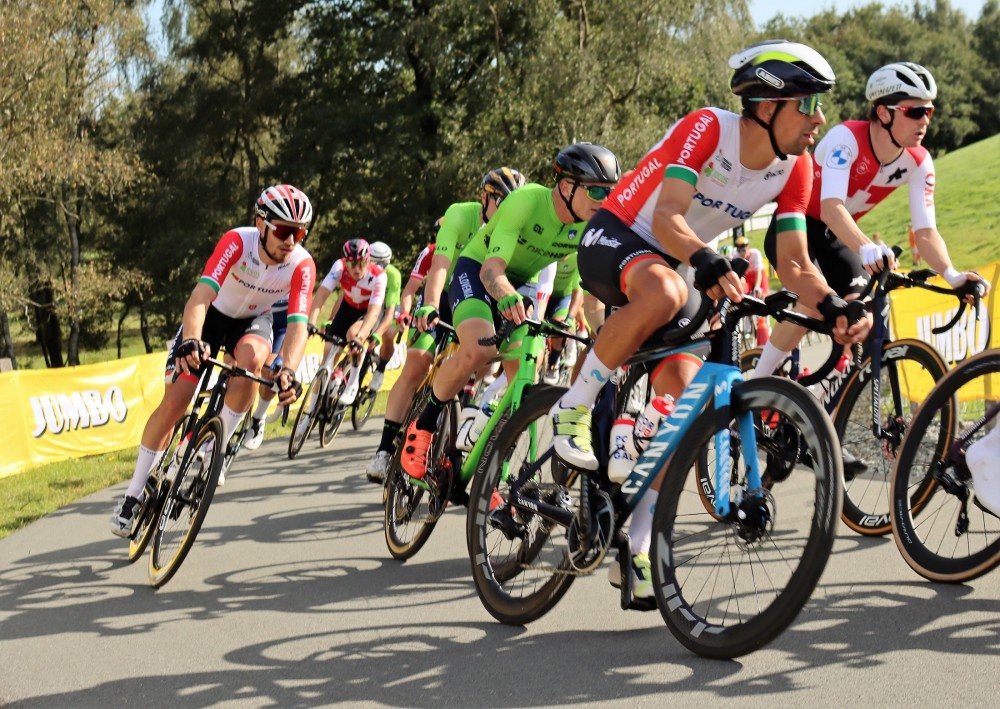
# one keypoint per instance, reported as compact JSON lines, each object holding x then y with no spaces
{"x":455,"y":229}
{"x":381,"y":256}
{"x":229,"y":306}
{"x":533,"y":227}
{"x":857,"y":165}
{"x":710,"y":172}
{"x":354,"y":316}
{"x":755,"y":279}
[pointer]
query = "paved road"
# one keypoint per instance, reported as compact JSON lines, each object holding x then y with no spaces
{"x":290,"y":599}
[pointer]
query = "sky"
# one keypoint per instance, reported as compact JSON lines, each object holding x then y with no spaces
{"x":764,"y":10}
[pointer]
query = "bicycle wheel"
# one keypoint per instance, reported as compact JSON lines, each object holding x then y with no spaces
{"x":910,"y":368}
{"x":727,"y":588}
{"x":412,"y":507}
{"x":187,"y":503}
{"x":152,"y":503}
{"x":308,"y":412}
{"x":520,"y":577}
{"x":940,"y":540}
{"x":332,"y":413}
{"x":236,"y":440}
{"x":362,"y":407}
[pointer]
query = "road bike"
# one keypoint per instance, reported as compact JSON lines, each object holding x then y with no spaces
{"x":181,"y":487}
{"x":726,"y":582}
{"x":321,"y":403}
{"x":940,"y":528}
{"x":872,"y":400}
{"x":364,"y":402}
{"x":413,"y":507}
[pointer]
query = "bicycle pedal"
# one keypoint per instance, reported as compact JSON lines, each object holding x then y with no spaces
{"x":459,"y":497}
{"x":641,"y":604}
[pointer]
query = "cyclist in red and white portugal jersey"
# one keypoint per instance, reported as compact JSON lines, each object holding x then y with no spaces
{"x":710,"y":173}
{"x":857,"y":165}
{"x":251,"y":268}
{"x":358,"y":310}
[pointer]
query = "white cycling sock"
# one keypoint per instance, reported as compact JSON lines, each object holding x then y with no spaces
{"x":494,"y":390}
{"x":230,"y":420}
{"x":262,"y":407}
{"x":770,"y":358}
{"x":144,"y":463}
{"x":640,"y":528}
{"x":583,"y":392}
{"x":352,"y":378}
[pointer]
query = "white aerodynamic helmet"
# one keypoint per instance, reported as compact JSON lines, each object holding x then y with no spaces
{"x":380,"y":252}
{"x":900,"y":81}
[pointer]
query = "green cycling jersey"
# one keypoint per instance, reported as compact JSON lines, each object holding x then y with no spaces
{"x":393,"y":287}
{"x":526,"y":233}
{"x":461,"y":221}
{"x":567,"y":276}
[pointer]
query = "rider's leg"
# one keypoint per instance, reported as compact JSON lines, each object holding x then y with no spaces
{"x":251,"y":353}
{"x":156,"y":433}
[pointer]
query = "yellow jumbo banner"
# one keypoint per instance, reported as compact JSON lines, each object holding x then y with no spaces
{"x":60,"y":414}
{"x":916,"y":312}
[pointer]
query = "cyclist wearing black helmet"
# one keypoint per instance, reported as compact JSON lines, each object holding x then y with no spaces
{"x":533,"y":227}
{"x":647,"y":250}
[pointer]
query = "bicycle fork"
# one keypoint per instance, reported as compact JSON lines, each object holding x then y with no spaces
{"x":733,"y":506}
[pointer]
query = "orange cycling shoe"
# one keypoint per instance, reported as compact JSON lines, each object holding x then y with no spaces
{"x":415,"y":448}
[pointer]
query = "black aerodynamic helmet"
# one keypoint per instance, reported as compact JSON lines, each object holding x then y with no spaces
{"x":587,"y":162}
{"x":777,"y":68}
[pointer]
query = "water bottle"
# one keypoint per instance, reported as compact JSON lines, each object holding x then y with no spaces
{"x":649,"y":420}
{"x":473,"y":428}
{"x":623,"y":453}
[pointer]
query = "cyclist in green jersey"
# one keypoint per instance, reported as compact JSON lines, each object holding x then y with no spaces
{"x":564,"y":306}
{"x":381,"y":255}
{"x":456,"y":228}
{"x":532,"y":228}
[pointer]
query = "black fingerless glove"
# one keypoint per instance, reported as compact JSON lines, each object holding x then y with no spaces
{"x":709,"y":266}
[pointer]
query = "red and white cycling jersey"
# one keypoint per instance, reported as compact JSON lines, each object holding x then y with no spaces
{"x":423,"y":264}
{"x":756,"y":260}
{"x":362,"y":293}
{"x":846,"y":168}
{"x":703,"y":149}
{"x":246,"y":287}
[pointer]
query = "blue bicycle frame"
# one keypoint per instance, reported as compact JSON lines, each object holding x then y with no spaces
{"x":713,"y":382}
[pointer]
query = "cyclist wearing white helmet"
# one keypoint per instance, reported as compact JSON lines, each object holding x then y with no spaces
{"x":709,"y":173}
{"x":230,"y":306}
{"x":381,"y":256}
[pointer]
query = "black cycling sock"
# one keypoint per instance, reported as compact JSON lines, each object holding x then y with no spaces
{"x":382,"y":364}
{"x":429,"y":416}
{"x":389,"y":431}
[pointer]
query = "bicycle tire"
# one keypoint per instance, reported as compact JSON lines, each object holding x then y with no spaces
{"x":690,"y":546}
{"x":152,"y":504}
{"x":361,"y":409}
{"x":187,"y":503}
{"x":332,"y":414}
{"x":405,"y":498}
{"x":908,"y":366}
{"x":401,"y":497}
{"x":309,"y":409}
{"x":927,"y":537}
{"x":518,"y":581}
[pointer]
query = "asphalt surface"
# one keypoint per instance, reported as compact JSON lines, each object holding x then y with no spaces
{"x":290,"y":599}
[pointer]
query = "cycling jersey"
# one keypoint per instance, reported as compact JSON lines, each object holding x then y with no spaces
{"x":461,"y":221}
{"x":526,"y":233}
{"x":393,"y":281}
{"x":423,"y":264}
{"x":251,"y":287}
{"x":360,"y":293}
{"x":703,"y":149}
{"x":567,"y":276}
{"x":846,"y":169}
{"x":756,"y":260}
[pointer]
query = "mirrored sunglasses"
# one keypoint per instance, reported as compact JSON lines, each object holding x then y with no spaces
{"x":808,"y":105}
{"x":283,"y":231}
{"x":598,"y":194}
{"x":914,"y":112}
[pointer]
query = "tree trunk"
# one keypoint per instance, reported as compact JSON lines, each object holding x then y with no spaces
{"x":8,"y":341}
{"x":121,"y":326}
{"x":47,"y":330}
{"x":144,"y":326}
{"x":69,"y":206}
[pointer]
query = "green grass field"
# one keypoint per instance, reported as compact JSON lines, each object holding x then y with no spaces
{"x":967,"y":214}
